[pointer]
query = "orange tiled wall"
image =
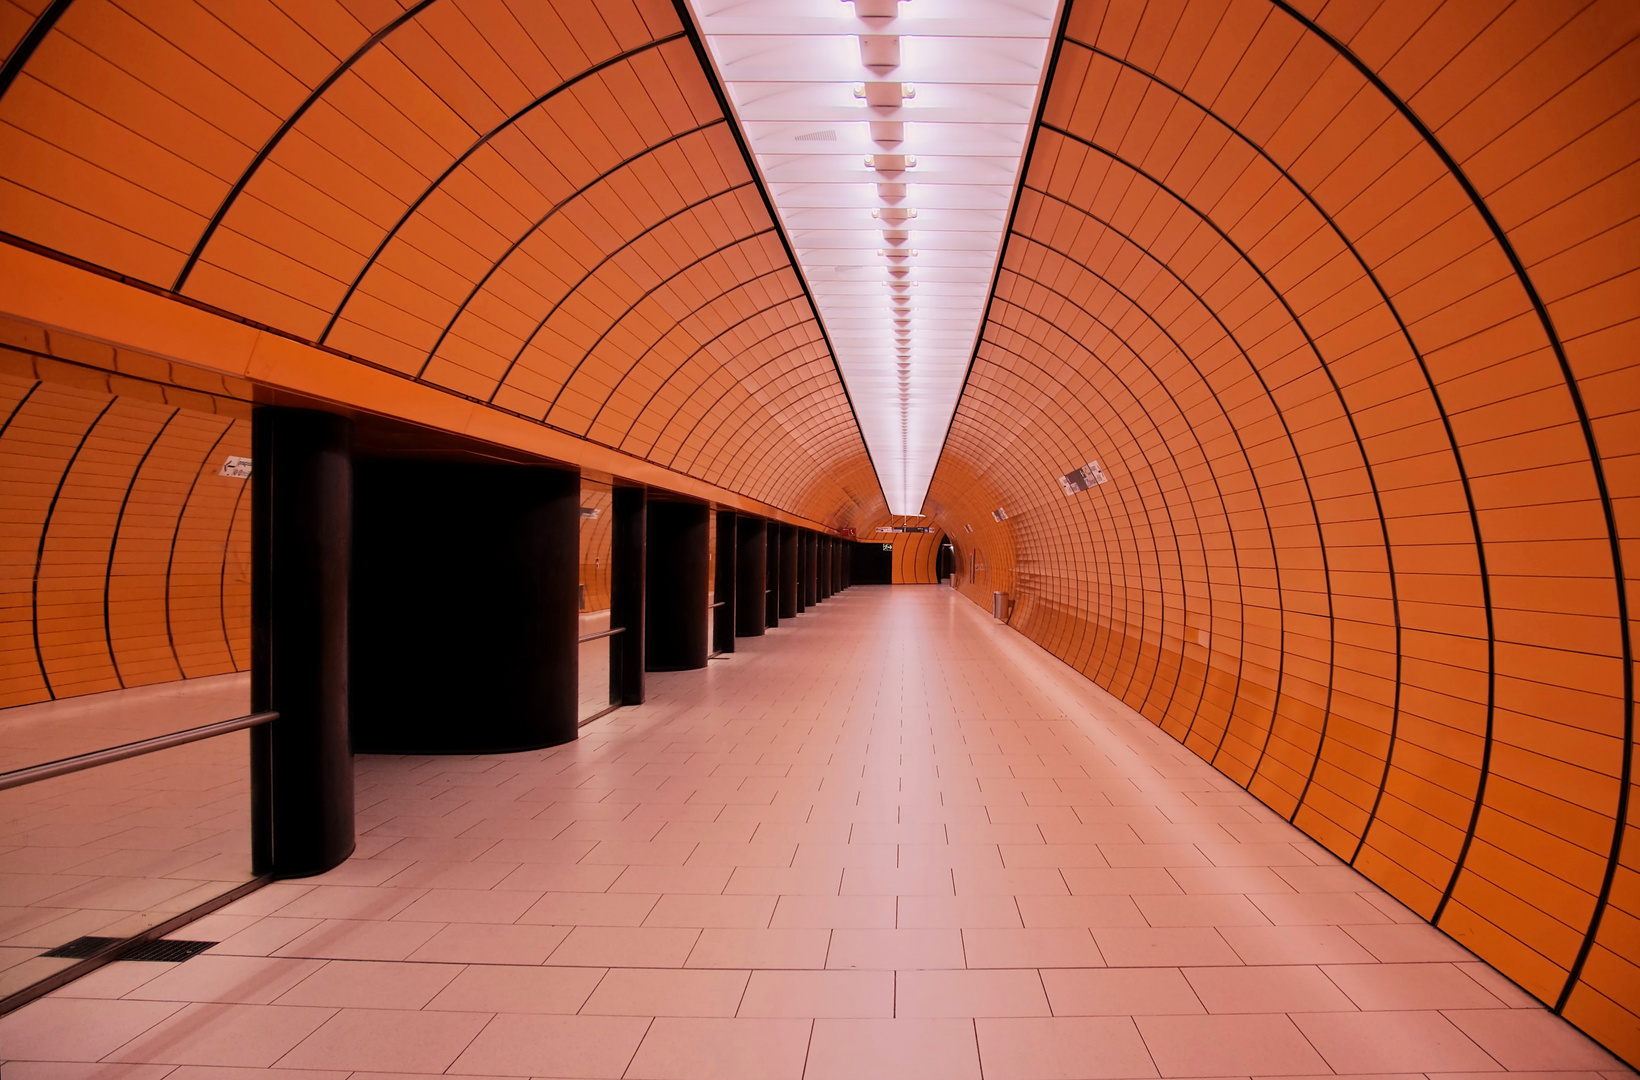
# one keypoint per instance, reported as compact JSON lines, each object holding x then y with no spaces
{"x":1346,"y":309}
{"x":914,"y":557}
{"x":125,"y":553}
{"x":595,"y":544}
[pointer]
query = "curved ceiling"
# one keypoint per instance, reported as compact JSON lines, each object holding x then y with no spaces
{"x":1339,"y":298}
{"x":1341,"y":302}
{"x":540,"y":207}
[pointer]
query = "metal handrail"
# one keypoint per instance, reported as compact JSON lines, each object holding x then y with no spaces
{"x":721,"y":603}
{"x":601,"y":634}
{"x":81,"y":762}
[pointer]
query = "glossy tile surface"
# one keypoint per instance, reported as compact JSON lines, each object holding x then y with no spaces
{"x":889,"y":839}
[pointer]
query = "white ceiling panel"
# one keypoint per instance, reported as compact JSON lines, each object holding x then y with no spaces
{"x":890,"y":135}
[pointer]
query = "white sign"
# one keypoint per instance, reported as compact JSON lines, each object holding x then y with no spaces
{"x":1089,"y":475}
{"x":237,"y":467}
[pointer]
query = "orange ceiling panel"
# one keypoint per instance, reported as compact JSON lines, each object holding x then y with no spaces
{"x":543,"y":209}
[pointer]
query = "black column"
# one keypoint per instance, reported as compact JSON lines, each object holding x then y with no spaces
{"x":811,"y":568}
{"x":788,"y":570}
{"x":826,"y":556}
{"x":627,"y":564}
{"x":771,"y":574}
{"x":723,"y":584}
{"x":846,"y":548}
{"x":802,"y":570}
{"x":464,"y":607}
{"x":301,"y":550}
{"x":675,"y":636}
{"x":750,"y":619}
{"x":836,"y":565}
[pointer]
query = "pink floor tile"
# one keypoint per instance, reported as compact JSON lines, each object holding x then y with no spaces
{"x":969,"y":993}
{"x":470,"y":906}
{"x":1199,"y":880}
{"x":667,"y":992}
{"x":805,"y":994}
{"x":1127,"y":881}
{"x":1056,"y":856}
{"x":591,"y":909}
{"x":489,"y":943}
{"x":1410,"y":986}
{"x":690,"y":909}
{"x":639,"y":853}
{"x":1215,"y":1046}
{"x":774,"y":948}
{"x":555,"y":1046}
{"x":1317,"y":909}
{"x":607,"y":946}
{"x":498,"y":988}
{"x":1519,"y":1039}
{"x":1088,"y":911}
{"x":1076,"y":1048}
{"x":229,"y":980}
{"x":343,"y":939}
{"x":949,"y":856}
{"x":371,"y":985}
{"x":1119,"y":992}
{"x":1295,"y":945}
{"x":787,"y":880}
{"x":708,"y":880}
{"x":1383,"y":1042}
{"x":850,"y":856}
{"x":933,"y":1049}
{"x":678,"y":1048}
{"x":1184,"y":946}
{"x":959,"y":912}
{"x":1033,"y":948}
{"x":1408,"y":944}
{"x":1269,"y":989}
{"x":251,"y":1036}
{"x":68,"y":1029}
{"x":895,"y":949}
{"x":1028,"y":882}
{"x":550,"y":877}
{"x":853,"y":912}
{"x":1210,"y":910}
{"x":892,"y":881}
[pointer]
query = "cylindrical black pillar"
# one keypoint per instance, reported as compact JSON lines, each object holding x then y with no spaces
{"x":627,"y":563}
{"x":771,"y":574}
{"x":750,"y":619}
{"x":301,"y":552}
{"x":836,"y":565}
{"x":811,"y":568}
{"x":848,"y":549}
{"x":464,"y":607}
{"x":675,"y":607}
{"x":723,"y":584}
{"x":788,"y":570}
{"x":825,"y":567}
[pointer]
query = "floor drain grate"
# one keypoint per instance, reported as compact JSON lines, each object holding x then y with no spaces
{"x":167,"y":952}
{"x":82,"y":947}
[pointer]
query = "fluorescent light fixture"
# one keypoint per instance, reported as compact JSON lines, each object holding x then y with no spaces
{"x":891,"y":136}
{"x":928,"y":105}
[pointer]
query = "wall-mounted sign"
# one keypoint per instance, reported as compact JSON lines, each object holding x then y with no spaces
{"x":1089,"y":475}
{"x":999,"y":514}
{"x":237,"y":467}
{"x":848,"y":534}
{"x":904,"y":529}
{"x":590,"y":513}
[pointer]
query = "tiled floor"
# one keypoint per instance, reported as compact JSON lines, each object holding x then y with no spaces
{"x":891,"y":840}
{"x":116,"y":850}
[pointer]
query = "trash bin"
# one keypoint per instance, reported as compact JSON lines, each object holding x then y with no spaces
{"x":999,"y":605}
